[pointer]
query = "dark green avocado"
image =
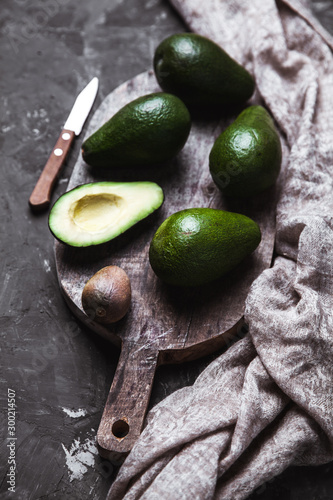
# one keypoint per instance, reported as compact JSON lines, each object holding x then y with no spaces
{"x":246,"y":157}
{"x":198,"y":245}
{"x":200,"y":72}
{"x":147,"y":131}
{"x":94,"y":213}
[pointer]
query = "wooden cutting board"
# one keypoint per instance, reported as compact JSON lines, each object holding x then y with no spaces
{"x":165,"y":324}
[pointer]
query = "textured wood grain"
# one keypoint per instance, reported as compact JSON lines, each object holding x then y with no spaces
{"x":165,"y":324}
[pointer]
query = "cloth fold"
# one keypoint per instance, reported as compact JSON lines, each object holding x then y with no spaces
{"x":267,"y":402}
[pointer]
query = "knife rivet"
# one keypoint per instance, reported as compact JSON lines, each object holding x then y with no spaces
{"x":66,"y":136}
{"x":58,"y":152}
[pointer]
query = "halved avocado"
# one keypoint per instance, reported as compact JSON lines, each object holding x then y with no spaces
{"x":92,"y":214}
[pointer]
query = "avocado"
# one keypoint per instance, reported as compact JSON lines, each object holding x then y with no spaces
{"x":246,"y":158}
{"x":95,"y":213}
{"x":147,"y":131}
{"x":200,"y":72}
{"x":106,"y":297}
{"x":198,"y":245}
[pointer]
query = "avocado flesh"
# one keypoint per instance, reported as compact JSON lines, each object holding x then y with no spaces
{"x":200,"y":72}
{"x":95,"y":213}
{"x":198,"y":245}
{"x":147,"y":131}
{"x":246,"y":157}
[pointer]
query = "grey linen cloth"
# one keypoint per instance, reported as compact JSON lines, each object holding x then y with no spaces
{"x":267,"y":402}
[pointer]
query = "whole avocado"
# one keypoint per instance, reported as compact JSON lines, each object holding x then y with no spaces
{"x":147,"y":131}
{"x":198,"y":245}
{"x":200,"y":72}
{"x":246,"y":157}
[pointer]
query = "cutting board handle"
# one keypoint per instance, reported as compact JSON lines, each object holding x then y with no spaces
{"x":126,"y":406}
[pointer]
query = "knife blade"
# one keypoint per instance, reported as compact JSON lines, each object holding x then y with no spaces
{"x":41,"y":195}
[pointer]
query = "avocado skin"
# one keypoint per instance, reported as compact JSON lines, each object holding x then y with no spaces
{"x":200,"y":72}
{"x":246,"y":158}
{"x":149,"y":130}
{"x":198,"y":245}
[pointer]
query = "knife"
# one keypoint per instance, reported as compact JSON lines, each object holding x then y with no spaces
{"x":41,"y":195}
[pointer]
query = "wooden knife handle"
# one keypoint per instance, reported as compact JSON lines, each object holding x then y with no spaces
{"x":126,"y":406}
{"x":41,"y":195}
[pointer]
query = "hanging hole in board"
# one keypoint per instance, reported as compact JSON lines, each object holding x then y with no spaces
{"x":120,"y":429}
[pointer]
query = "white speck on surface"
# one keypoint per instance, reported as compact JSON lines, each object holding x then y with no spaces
{"x":161,"y":16}
{"x":47,"y":266}
{"x":80,"y":457}
{"x":75,"y":413}
{"x":6,"y":128}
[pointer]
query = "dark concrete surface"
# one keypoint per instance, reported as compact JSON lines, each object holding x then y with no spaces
{"x":61,"y":372}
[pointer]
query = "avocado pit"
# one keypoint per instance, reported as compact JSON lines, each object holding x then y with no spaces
{"x":106,"y":297}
